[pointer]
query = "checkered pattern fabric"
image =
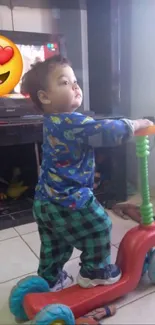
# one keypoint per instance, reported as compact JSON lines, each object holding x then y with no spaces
{"x":61,"y":229}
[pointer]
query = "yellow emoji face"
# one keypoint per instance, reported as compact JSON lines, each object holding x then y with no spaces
{"x":11,"y":65}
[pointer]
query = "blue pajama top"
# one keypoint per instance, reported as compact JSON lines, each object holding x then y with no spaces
{"x":67,"y":169}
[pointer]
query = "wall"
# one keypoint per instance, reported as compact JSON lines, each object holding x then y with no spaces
{"x":49,"y":16}
{"x":5,"y":16}
{"x":143,"y":66}
{"x":71,"y":20}
{"x":25,"y":17}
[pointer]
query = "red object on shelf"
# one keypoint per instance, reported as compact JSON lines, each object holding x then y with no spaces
{"x":131,"y":255}
{"x":48,"y":53}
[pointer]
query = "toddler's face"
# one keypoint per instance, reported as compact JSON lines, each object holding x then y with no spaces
{"x":63,"y":92}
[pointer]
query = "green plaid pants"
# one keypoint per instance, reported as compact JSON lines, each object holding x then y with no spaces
{"x":61,"y":229}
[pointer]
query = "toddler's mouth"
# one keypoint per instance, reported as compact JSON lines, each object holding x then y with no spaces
{"x":77,"y":96}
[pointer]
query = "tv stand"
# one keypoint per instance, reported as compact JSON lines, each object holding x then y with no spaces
{"x":18,"y":133}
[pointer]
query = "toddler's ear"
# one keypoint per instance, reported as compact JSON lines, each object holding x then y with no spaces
{"x":43,"y":97}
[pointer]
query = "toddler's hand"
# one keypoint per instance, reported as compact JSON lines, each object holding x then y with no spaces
{"x":141,"y":124}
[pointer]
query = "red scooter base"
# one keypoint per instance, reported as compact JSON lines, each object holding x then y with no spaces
{"x":131,"y":255}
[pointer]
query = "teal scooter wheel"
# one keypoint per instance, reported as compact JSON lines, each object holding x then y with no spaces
{"x":55,"y":314}
{"x":146,"y":265}
{"x":147,"y":261}
{"x":31,"y":284}
{"x":151,"y":267}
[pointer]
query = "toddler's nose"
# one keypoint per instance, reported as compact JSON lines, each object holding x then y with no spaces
{"x":75,"y":86}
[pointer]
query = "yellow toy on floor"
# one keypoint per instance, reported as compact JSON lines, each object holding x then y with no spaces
{"x":15,"y":188}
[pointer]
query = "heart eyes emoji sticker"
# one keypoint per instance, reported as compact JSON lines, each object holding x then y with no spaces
{"x":11,"y":65}
{"x":6,"y":54}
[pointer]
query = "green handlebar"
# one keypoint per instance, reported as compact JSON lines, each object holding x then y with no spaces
{"x":142,"y":151}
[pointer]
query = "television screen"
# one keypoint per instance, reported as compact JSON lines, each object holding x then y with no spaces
{"x":32,"y":54}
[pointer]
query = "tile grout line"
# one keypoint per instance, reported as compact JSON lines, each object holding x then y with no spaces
{"x":136,"y":299}
{"x":29,"y":247}
{"x":31,"y":232}
{"x":116,"y":246}
{"x":19,"y":277}
{"x":1,"y":240}
{"x":17,"y":234}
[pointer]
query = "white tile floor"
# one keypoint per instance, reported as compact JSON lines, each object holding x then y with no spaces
{"x":19,"y":251}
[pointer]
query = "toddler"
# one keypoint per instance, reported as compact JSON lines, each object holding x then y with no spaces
{"x":65,"y":209}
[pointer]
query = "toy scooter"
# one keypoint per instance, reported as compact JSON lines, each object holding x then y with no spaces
{"x":31,"y":299}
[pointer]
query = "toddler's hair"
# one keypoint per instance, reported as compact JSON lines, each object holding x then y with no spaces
{"x":36,"y":78}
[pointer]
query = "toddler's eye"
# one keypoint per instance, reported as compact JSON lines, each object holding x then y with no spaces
{"x":65,"y":82}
